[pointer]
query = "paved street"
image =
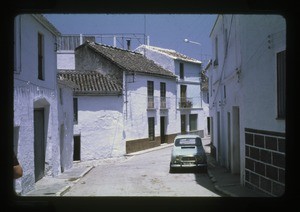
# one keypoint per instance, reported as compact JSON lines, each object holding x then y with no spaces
{"x":145,"y":174}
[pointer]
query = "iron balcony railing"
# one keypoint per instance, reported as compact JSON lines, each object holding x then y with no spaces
{"x":158,"y":102}
{"x":188,"y":103}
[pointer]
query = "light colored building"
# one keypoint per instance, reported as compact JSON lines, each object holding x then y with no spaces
{"x":247,"y":98}
{"x":98,"y":115}
{"x":191,"y":93}
{"x":42,"y":129}
{"x":141,"y":113}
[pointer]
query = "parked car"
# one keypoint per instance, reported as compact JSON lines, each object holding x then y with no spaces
{"x":188,"y":152}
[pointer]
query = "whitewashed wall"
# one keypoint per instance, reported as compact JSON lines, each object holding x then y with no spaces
{"x":31,"y":93}
{"x":137,"y":113}
{"x":163,"y":60}
{"x":100,"y":126}
{"x":65,"y":123}
{"x":260,"y":62}
{"x":192,"y":80}
{"x":247,"y":68}
{"x":66,"y":60}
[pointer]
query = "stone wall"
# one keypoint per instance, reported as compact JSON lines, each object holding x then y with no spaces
{"x":265,"y":161}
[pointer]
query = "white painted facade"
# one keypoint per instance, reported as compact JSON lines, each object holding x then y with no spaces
{"x":100,"y":126}
{"x":32,"y":94}
{"x":137,"y":113}
{"x":66,"y":59}
{"x":242,"y":83}
{"x":191,"y":79}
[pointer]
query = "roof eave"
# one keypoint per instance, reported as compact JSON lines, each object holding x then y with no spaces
{"x":40,"y":18}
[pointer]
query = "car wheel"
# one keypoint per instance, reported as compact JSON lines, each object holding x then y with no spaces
{"x":171,"y":170}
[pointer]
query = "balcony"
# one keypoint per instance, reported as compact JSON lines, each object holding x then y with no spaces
{"x":162,"y":103}
{"x":189,"y":103}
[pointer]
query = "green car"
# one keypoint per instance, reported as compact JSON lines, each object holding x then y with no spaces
{"x":188,"y":152}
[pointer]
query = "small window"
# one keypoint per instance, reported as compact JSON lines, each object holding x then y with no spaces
{"x":281,"y":84}
{"x":181,"y":70}
{"x":41,"y":57}
{"x":151,"y":128}
{"x":61,"y":96}
{"x":75,"y":108}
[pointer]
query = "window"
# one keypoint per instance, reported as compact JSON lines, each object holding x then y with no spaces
{"x":75,"y":108}
{"x":281,"y":84}
{"x":193,"y":121}
{"x":181,"y":71}
{"x":40,"y":56}
{"x":216,"y":52}
{"x":151,"y":130}
{"x":163,"y":95}
{"x":224,"y":90}
{"x":150,"y":93}
{"x":61,"y":95}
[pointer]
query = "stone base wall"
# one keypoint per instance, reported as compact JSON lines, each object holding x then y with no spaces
{"x":265,"y":161}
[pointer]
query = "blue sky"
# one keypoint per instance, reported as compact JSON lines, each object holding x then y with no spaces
{"x":164,"y":30}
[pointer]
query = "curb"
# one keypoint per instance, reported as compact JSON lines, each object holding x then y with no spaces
{"x":63,"y":191}
{"x":229,"y":194}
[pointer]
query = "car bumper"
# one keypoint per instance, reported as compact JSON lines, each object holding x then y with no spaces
{"x":183,"y":165}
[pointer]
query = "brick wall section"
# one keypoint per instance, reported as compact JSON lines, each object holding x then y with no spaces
{"x":265,"y":161}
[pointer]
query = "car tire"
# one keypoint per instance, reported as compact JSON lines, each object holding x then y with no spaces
{"x":171,"y":170}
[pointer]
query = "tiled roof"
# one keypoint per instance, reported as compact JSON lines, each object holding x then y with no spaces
{"x":90,"y":82}
{"x":128,"y":60}
{"x":171,"y":53}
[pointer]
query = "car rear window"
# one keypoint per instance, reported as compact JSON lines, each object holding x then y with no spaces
{"x":188,"y":142}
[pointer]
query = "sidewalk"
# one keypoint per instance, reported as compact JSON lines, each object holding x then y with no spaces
{"x":227,"y":183}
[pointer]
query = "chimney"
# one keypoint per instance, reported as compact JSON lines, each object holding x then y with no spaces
{"x":128,"y":44}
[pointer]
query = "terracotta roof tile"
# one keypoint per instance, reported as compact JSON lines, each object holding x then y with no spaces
{"x":129,"y":60}
{"x":91,"y":82}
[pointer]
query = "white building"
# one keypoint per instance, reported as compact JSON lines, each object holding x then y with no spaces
{"x":139,"y":113}
{"x":191,"y":97}
{"x":42,"y":128}
{"x":247,"y":98}
{"x":98,"y":115}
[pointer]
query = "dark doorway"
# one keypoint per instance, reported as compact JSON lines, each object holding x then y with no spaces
{"x":76,"y":154}
{"x":162,"y":129}
{"x":183,"y":124}
{"x":208,"y":125}
{"x":39,"y":144}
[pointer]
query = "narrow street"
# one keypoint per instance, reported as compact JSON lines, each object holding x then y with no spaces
{"x":143,"y":175}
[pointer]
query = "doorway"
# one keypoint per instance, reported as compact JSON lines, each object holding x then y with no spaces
{"x":76,"y":153}
{"x":162,"y":130}
{"x":39,"y":143}
{"x":235,"y":140}
{"x":183,"y":124}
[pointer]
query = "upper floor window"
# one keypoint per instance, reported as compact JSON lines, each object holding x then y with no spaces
{"x":150,"y":88}
{"x":181,"y":71}
{"x":41,"y":57}
{"x":75,"y":108}
{"x":215,"y":63}
{"x":150,"y":93}
{"x":281,"y":84}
